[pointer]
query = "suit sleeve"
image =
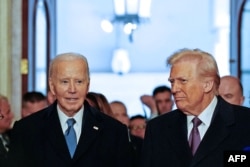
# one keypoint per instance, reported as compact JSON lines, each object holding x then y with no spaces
{"x":147,"y":150}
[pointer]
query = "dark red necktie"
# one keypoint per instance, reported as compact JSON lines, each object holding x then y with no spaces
{"x":194,"y":138}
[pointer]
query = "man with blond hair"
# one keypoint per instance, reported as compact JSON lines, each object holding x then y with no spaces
{"x":204,"y":126}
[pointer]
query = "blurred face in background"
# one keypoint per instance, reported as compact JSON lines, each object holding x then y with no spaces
{"x":32,"y":107}
{"x":164,"y":102}
{"x":6,"y":121}
{"x":137,"y":127}
{"x":120,"y":113}
{"x":230,"y":90}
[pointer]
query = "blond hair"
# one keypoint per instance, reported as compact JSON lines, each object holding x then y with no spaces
{"x":207,"y":65}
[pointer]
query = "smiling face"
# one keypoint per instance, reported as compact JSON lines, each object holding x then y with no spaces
{"x":69,"y":83}
{"x":188,"y":88}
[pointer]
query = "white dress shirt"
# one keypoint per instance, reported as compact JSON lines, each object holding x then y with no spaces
{"x":205,"y":116}
{"x":78,"y":118}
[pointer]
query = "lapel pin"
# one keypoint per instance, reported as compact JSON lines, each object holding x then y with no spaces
{"x":95,"y":127}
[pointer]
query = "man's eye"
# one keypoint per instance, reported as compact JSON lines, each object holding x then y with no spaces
{"x":79,"y":81}
{"x":183,"y":81}
{"x":171,"y":80}
{"x":229,"y":96}
{"x":64,"y":81}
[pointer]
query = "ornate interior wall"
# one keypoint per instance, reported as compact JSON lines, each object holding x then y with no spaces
{"x":10,"y":52}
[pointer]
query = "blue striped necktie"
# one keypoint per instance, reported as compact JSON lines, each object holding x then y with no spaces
{"x":70,"y":136}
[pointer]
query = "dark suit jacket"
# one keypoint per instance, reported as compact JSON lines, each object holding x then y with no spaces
{"x":38,"y":141}
{"x":166,"y":143}
{"x":3,"y":150}
{"x":136,"y":146}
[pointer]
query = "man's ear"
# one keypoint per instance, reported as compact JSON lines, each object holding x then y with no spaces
{"x":51,"y":86}
{"x":208,"y":85}
{"x":242,"y":100}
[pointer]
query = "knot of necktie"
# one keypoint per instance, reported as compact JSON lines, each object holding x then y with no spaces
{"x":70,"y":123}
{"x":196,"y":122}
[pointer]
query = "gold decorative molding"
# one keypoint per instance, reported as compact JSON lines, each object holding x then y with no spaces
{"x":24,"y":66}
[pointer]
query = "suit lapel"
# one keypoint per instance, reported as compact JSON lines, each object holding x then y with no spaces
{"x":53,"y":132}
{"x":178,"y":137}
{"x":91,"y":128}
{"x":219,"y":127}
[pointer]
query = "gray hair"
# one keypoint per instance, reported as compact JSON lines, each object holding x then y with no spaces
{"x":67,"y":56}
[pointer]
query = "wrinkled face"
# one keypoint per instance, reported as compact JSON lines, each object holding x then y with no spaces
{"x":187,"y":87}
{"x":137,"y":127}
{"x":119,"y":113}
{"x":230,"y":91}
{"x":163,"y":101}
{"x":5,"y":123}
{"x":30,"y":108}
{"x":69,"y":84}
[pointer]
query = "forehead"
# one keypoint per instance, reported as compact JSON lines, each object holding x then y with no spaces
{"x":184,"y":69}
{"x":164,"y":94}
{"x":137,"y":121}
{"x":228,"y":85}
{"x":70,"y":67}
{"x":118,"y":108}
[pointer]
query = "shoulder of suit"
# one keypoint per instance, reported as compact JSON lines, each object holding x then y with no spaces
{"x":100,"y":116}
{"x":166,"y":118}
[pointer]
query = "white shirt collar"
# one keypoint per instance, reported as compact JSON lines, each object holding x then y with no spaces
{"x":205,"y":116}
{"x":78,"y":118}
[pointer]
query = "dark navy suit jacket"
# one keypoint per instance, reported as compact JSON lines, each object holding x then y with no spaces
{"x":38,"y":141}
{"x":166,"y":143}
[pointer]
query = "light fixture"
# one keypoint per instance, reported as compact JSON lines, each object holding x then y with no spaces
{"x":120,"y":62}
{"x":129,"y":13}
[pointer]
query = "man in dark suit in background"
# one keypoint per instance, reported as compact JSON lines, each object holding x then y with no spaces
{"x":204,"y":125}
{"x":69,"y":133}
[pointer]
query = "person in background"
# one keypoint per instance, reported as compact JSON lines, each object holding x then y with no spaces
{"x":231,"y":90}
{"x":119,"y":110}
{"x":32,"y":102}
{"x":160,"y":103}
{"x":6,"y":118}
{"x":137,"y":125}
{"x":69,"y":132}
{"x":203,"y":126}
{"x":99,"y":101}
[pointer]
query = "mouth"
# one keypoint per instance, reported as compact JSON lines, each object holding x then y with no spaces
{"x":178,"y":98}
{"x":71,"y":99}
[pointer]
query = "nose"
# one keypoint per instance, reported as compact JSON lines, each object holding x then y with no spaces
{"x":174,"y":87}
{"x":72,"y":87}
